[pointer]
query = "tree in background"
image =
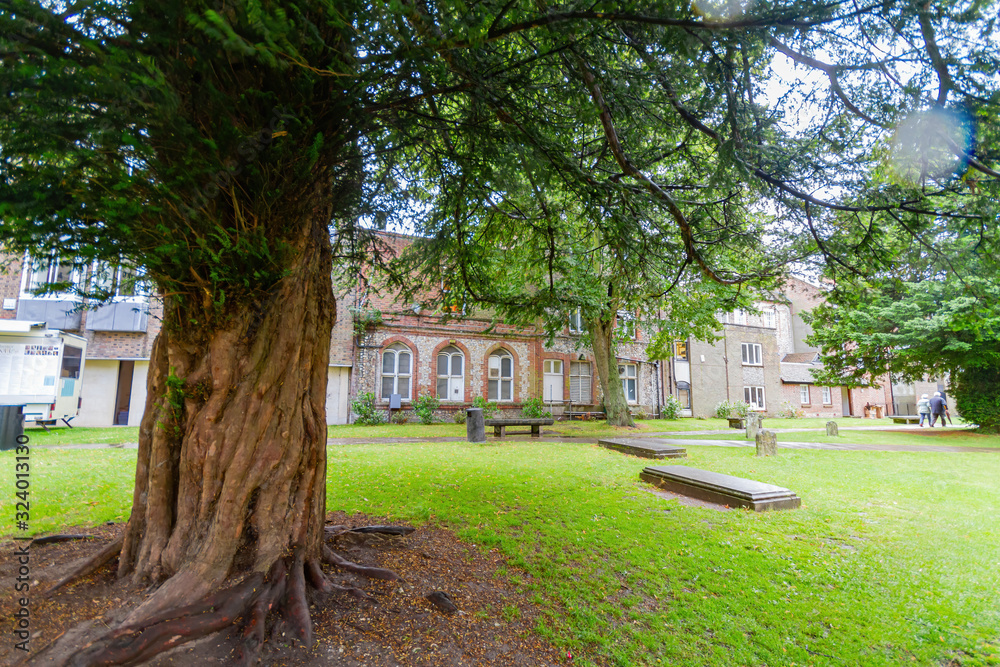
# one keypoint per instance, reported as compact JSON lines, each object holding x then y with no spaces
{"x":231,"y":149}
{"x":926,"y":319}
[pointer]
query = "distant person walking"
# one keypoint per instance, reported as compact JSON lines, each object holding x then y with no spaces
{"x":937,"y":409}
{"x":924,"y":409}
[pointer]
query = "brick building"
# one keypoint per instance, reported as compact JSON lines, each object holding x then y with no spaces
{"x":405,"y":349}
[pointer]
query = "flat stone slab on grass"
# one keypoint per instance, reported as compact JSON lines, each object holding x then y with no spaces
{"x":723,"y":489}
{"x":648,"y":448}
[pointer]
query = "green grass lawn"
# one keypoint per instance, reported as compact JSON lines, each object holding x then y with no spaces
{"x":584,"y":429}
{"x":951,"y":437}
{"x":893,"y":558}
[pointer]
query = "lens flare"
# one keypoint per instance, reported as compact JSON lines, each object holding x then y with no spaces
{"x":720,"y":10}
{"x":931,"y":145}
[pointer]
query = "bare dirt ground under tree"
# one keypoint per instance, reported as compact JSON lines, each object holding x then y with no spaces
{"x":495,"y":624}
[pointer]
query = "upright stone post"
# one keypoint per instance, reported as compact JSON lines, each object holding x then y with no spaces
{"x":753,"y":425}
{"x":767,"y":443}
{"x":475,"y":425}
{"x":831,"y":428}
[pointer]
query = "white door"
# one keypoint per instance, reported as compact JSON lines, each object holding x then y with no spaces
{"x":552,"y":385}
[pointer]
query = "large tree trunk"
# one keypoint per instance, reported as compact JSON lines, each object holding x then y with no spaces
{"x":615,"y":406}
{"x":231,"y":470}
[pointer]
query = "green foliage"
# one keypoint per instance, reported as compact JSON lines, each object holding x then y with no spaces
{"x":534,"y":408}
{"x":490,"y":410}
{"x":671,"y":408}
{"x":366,"y":319}
{"x":424,"y":408}
{"x":789,"y":411}
{"x":366,"y":411}
{"x":977,"y":396}
{"x":399,"y":417}
{"x":460,"y":417}
{"x":732,"y":410}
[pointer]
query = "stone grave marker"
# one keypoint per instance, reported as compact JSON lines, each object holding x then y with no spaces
{"x":831,"y":428}
{"x":767,"y":443}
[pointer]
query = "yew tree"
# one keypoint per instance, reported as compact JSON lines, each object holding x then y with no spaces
{"x":235,"y":150}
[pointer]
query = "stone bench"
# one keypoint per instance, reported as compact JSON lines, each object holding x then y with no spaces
{"x":906,"y":420}
{"x":647,"y":448}
{"x":500,"y":425}
{"x":722,"y":489}
{"x":735,"y":422}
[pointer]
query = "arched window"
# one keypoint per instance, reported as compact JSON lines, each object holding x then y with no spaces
{"x":451,"y":374}
{"x":501,"y":376}
{"x":397,"y":365}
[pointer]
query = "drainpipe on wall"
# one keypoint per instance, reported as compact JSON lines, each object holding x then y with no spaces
{"x":725,"y":358}
{"x":659,"y":388}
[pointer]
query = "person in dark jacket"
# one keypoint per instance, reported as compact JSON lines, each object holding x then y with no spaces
{"x":937,"y":409}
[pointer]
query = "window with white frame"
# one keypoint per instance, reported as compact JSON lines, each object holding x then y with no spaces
{"x":681,"y":349}
{"x":576,"y":322}
{"x":43,"y":271}
{"x":118,"y":282}
{"x":629,"y":377}
{"x":500,"y":385}
{"x":552,"y":380}
{"x":397,"y":370}
{"x":451,"y":374}
{"x":769,"y":318}
{"x":579,"y":382}
{"x":827,"y":396}
{"x":804,"y":394}
{"x":739,"y":316}
{"x":626,"y":325}
{"x":751,"y":354}
{"x":754,"y":396}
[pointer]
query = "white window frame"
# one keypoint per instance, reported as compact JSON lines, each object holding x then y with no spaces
{"x":399,"y":379}
{"x":118,"y":275}
{"x":739,"y":316}
{"x":755,"y":397}
{"x":804,"y":398}
{"x":554,"y":377}
{"x":450,"y":379}
{"x":494,"y":373}
{"x":752,"y":354}
{"x":627,"y":325}
{"x":827,"y":396}
{"x":681,"y":350}
{"x":580,"y":383}
{"x":576,"y":322}
{"x":49,"y":267}
{"x":769,"y":318}
{"x":629,"y":375}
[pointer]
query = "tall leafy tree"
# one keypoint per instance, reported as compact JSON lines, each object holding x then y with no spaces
{"x":215,"y":144}
{"x":936,"y":312}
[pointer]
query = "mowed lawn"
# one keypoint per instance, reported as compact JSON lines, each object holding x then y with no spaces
{"x":893,"y":559}
{"x":947,"y":437}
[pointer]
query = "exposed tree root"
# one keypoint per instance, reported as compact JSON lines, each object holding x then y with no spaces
{"x":284,"y":589}
{"x":90,"y":566}
{"x":332,"y":558}
{"x":333,"y":531}
{"x":142,"y":641}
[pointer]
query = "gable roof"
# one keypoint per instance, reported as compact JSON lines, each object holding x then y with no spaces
{"x":798,"y":373}
{"x":801,"y":358}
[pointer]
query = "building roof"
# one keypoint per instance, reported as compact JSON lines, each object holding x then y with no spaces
{"x":798,"y":373}
{"x":800,"y":358}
